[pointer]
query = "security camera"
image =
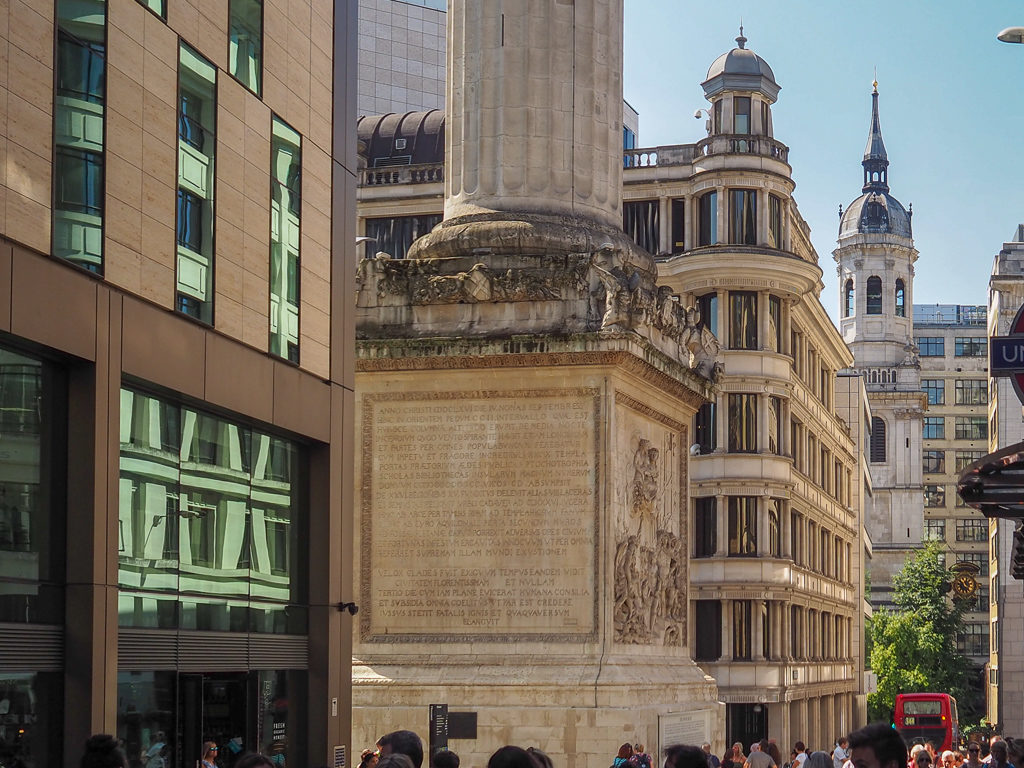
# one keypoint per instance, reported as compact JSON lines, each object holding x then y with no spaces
{"x":352,"y":608}
{"x":695,"y":449}
{"x":697,"y":114}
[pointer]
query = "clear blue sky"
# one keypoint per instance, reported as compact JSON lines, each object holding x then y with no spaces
{"x":951,"y":106}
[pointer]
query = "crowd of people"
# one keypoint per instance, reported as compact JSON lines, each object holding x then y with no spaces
{"x":875,"y":746}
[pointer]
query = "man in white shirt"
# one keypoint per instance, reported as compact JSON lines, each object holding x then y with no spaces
{"x":841,"y":753}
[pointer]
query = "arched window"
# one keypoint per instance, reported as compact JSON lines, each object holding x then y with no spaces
{"x":877,"y":439}
{"x":874,"y":296}
{"x":874,"y":377}
{"x":901,"y":298}
{"x":848,"y":298}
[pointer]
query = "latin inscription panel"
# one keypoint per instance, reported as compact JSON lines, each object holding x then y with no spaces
{"x":479,"y":510}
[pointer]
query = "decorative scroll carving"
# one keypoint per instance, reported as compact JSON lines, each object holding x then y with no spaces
{"x":619,"y":296}
{"x":424,"y":281}
{"x":650,"y":564}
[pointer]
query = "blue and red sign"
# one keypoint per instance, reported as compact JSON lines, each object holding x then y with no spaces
{"x":1006,"y":355}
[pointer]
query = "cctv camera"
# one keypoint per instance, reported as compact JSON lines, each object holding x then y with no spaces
{"x":697,"y":114}
{"x":695,"y":449}
{"x":352,"y":608}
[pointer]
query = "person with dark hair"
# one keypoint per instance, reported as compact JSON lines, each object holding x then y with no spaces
{"x":444,"y":758}
{"x":819,"y":760}
{"x":511,"y":757}
{"x":973,"y":755}
{"x":395,"y":760}
{"x":773,"y":752}
{"x":877,"y":746}
{"x":254,"y":760}
{"x":403,"y":743}
{"x":685,"y":756}
{"x":1000,"y":755}
{"x":102,"y":751}
{"x":368,"y":758}
{"x":759,"y":757}
{"x":622,"y":758}
{"x":540,"y":757}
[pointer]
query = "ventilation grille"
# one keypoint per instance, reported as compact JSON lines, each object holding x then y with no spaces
{"x":31,"y":647}
{"x":142,"y":649}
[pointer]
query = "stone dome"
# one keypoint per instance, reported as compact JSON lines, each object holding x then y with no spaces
{"x":740,"y":61}
{"x":875,"y":212}
{"x":740,"y":70}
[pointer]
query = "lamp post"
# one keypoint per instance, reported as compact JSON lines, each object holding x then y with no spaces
{"x":1011,"y":35}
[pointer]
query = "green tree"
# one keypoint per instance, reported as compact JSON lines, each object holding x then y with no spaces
{"x":913,"y":648}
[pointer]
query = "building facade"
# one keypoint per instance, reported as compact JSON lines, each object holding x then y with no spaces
{"x":953,"y":344}
{"x":1005,"y":681}
{"x":401,"y":56}
{"x":177,"y":378}
{"x":776,"y":482}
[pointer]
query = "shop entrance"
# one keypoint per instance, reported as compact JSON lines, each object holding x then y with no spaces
{"x":215,"y":707}
{"x":165,"y":718}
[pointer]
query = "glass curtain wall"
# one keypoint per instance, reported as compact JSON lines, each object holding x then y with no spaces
{"x":79,"y":132}
{"x":210,"y":521}
{"x":285,"y":231}
{"x":197,"y":149}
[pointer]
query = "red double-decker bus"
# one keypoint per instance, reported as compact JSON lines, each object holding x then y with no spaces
{"x":922,"y":717}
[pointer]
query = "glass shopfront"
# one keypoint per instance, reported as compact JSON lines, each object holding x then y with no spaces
{"x":165,"y":718}
{"x":212,"y":590}
{"x":32,"y":575}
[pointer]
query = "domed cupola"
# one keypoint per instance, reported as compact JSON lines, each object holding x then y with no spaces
{"x":876,"y":211}
{"x":740,"y":70}
{"x":741,"y":88}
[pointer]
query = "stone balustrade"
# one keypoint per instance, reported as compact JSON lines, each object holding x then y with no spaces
{"x":402,"y":174}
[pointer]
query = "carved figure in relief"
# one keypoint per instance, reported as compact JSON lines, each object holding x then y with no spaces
{"x":650,"y":591}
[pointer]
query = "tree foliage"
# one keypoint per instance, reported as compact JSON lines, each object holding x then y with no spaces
{"x":913,"y":648}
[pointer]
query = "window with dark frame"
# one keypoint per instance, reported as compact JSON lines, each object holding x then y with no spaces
{"x":743,"y":526}
{"x":742,"y":320}
{"x":874,"y":295}
{"x":707,"y":232}
{"x":877,"y":439}
{"x":705,"y":526}
{"x":742,"y":423}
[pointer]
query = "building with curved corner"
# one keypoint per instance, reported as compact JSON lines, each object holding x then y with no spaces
{"x":777,"y":484}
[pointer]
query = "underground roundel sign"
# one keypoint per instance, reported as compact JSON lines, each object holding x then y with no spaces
{"x":1006,"y":354}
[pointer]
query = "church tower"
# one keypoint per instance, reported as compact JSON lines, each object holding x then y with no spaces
{"x":875,"y":264}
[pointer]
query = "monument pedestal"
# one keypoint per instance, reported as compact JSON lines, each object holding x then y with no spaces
{"x":522,"y":538}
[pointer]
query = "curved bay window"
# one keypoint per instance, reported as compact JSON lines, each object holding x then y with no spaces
{"x":743,"y":216}
{"x":901,"y":298}
{"x":742,"y":526}
{"x":848,"y":298}
{"x":874,"y":295}
{"x":742,"y":320}
{"x":742,"y":423}
{"x":707,"y":232}
{"x":877,"y":439}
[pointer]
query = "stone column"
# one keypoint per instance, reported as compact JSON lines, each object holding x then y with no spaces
{"x":533,"y":138}
{"x":664,"y":225}
{"x":723,"y":221}
{"x":726,"y":631}
{"x":721,"y":525}
{"x":534,"y":108}
{"x":756,"y":630}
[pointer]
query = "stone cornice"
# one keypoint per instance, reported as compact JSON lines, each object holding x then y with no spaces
{"x":620,"y":350}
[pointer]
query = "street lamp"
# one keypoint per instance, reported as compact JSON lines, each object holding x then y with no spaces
{"x":1011,"y":35}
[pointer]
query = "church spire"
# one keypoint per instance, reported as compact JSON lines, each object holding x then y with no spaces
{"x":876,"y":162}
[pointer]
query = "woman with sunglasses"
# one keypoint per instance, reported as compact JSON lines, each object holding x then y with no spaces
{"x":210,"y":750}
